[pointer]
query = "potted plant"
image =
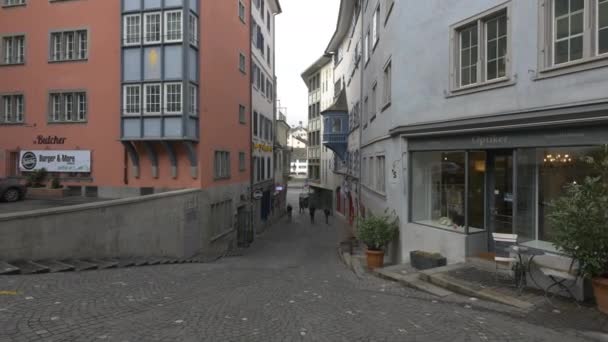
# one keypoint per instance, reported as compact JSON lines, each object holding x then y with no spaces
{"x":376,"y":232}
{"x":424,"y":260}
{"x":580,"y":221}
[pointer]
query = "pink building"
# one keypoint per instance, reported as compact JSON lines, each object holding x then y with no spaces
{"x":121,"y":98}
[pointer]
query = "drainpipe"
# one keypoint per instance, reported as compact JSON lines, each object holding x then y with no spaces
{"x":361,"y":97}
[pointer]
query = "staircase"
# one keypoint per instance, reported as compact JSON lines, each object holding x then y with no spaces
{"x":79,"y":265}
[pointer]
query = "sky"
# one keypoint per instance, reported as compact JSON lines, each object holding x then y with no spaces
{"x":303,"y":31}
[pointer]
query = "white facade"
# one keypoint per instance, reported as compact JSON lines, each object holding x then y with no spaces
{"x":518,"y":102}
{"x":263,"y":106}
{"x":299,"y":167}
{"x":297,"y":137}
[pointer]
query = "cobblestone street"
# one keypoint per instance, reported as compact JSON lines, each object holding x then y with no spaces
{"x":289,"y":286}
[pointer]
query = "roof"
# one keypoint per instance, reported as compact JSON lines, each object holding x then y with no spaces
{"x":347,"y":8}
{"x":275,"y":6}
{"x":340,"y":105}
{"x":318,"y":64}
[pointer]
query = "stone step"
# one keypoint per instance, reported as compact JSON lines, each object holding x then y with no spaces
{"x":80,"y":265}
{"x":8,"y":269}
{"x":30,"y":267}
{"x":57,"y":266}
{"x":126,"y":262}
{"x":141,"y":262}
{"x":154,"y":261}
{"x":103,"y":264}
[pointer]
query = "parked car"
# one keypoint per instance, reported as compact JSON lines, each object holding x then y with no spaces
{"x":11,"y":190}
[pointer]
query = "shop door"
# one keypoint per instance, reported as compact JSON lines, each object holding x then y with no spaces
{"x":500,"y":194}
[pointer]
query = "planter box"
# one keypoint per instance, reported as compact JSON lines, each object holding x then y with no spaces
{"x":46,"y":193}
{"x":424,"y":261}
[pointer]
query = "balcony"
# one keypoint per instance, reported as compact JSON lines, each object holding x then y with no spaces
{"x":335,"y":127}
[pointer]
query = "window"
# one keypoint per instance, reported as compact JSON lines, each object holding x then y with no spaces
{"x":255,"y":124}
{"x":132,"y":29}
{"x":602,"y":28}
{"x":152,"y":98}
{"x":242,"y":163}
{"x":387,"y":83}
{"x":438,"y":180}
{"x":374,"y":102}
{"x":380,"y":174}
{"x":481,"y":52}
{"x":242,"y":118}
{"x":173,"y":26}
{"x":574,"y":36}
{"x":365,"y":111}
{"x":173,"y":98}
{"x":69,"y":45}
{"x":132,"y":99}
{"x":268,"y":21}
{"x":222,"y":165}
{"x":193,"y":99}
{"x":68,"y":107}
{"x":268,"y":54}
{"x":6,"y":3}
{"x":568,"y":24}
{"x":12,"y":109}
{"x":376,"y":27}
{"x":13,"y":50}
{"x":193,"y":29}
{"x":242,"y":63}
{"x":388,"y":4}
{"x":241,"y":11}
{"x":496,"y":47}
{"x":152,"y":25}
{"x":468,"y":55}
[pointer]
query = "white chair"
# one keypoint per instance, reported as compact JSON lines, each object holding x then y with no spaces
{"x":502,"y":248}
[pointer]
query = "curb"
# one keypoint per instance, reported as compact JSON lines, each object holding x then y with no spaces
{"x":457,"y":286}
{"x":353,"y":263}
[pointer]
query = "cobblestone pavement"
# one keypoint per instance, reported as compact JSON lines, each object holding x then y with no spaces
{"x":289,"y":286}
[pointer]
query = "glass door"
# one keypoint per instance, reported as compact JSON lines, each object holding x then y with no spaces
{"x":500,"y":193}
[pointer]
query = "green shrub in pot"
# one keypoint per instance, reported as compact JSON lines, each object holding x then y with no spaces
{"x":377,"y":231}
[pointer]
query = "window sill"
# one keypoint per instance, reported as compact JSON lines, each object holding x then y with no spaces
{"x":372,"y":119}
{"x":12,"y":6}
{"x":572,"y":67}
{"x":52,"y":61}
{"x":375,"y":45}
{"x":67,"y":122}
{"x":12,"y":64}
{"x":12,"y":123}
{"x":365,"y":126}
{"x":494,"y":84}
{"x":386,"y":106}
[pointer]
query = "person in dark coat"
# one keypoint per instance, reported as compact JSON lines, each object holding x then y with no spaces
{"x":312,"y":210}
{"x":326,"y":212}
{"x":289,"y":210}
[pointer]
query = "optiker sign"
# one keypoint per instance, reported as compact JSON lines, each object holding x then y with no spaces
{"x":492,"y":140}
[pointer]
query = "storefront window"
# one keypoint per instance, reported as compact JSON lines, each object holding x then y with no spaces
{"x":542,"y":175}
{"x":438,"y":188}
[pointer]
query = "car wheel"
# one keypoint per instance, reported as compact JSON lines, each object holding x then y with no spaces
{"x":11,"y":195}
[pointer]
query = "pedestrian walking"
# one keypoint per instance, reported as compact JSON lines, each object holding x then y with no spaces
{"x":289,"y":210}
{"x":312,"y":210}
{"x":301,"y":202}
{"x":326,"y":212}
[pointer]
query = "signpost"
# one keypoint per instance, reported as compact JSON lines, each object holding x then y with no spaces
{"x":258,"y":194}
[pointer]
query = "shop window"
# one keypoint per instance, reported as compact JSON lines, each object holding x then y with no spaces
{"x":542,"y":175}
{"x":439,"y":184}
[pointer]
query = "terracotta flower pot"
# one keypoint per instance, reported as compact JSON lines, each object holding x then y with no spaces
{"x":600,"y":291}
{"x":375,"y":259}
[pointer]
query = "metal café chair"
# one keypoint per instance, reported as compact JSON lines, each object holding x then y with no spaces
{"x":503,"y":244}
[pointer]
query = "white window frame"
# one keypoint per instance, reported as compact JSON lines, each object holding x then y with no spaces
{"x":179,"y":34}
{"x":56,"y":107}
{"x":376,"y":27}
{"x":82,"y":106}
{"x":127,"y":97}
{"x":19,"y":108}
{"x":147,"y":17}
{"x":7,"y":43}
{"x":70,"y":46}
{"x":129,"y":38}
{"x":388,"y":79}
{"x":486,"y":49}
{"x":19,"y":42}
{"x":193,"y":103}
{"x":555,"y":40}
{"x":244,"y":10}
{"x":57,"y":54}
{"x":179,"y":103}
{"x":68,"y":107}
{"x":145,"y":99}
{"x":193,"y":29}
{"x":83,"y":44}
{"x":482,"y":83}
{"x":7,"y":102}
